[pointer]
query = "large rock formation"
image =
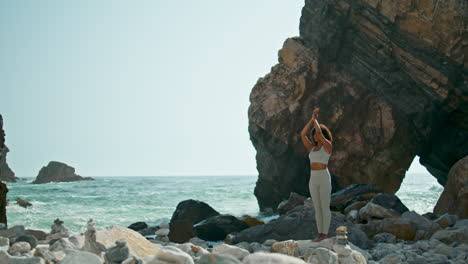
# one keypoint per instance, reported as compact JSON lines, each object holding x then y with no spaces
{"x":391,"y":80}
{"x":454,"y":198}
{"x":3,"y":187}
{"x":6,"y":174}
{"x":58,"y":172}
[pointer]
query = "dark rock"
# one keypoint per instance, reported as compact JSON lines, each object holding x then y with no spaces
{"x":431,"y":216}
{"x":188,"y":212}
{"x":118,"y":253}
{"x":13,"y":232}
{"x":148,"y":231}
{"x":400,"y":227}
{"x":251,"y":221}
{"x":218,"y":227}
{"x":354,"y":206}
{"x":384,"y":238}
{"x":181,"y":231}
{"x":389,"y":201}
{"x":23,"y":203}
{"x":398,"y":70}
{"x":27,"y":238}
{"x":138,"y":226}
{"x":446,"y":220}
{"x":454,"y":198}
{"x":351,"y":192}
{"x":6,"y":174}
{"x":299,"y":224}
{"x":3,"y":187}
{"x":40,"y":235}
{"x":58,"y":172}
{"x":293,"y":201}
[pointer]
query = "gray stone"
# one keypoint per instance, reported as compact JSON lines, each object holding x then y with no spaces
{"x":323,"y":255}
{"x":461,"y":223}
{"x":271,"y":258}
{"x":117,"y":254}
{"x":245,"y":245}
{"x":234,"y":251}
{"x":29,"y":239}
{"x":394,"y":258}
{"x":4,"y":242}
{"x":384,"y":238}
{"x":198,"y":242}
{"x":171,"y":254}
{"x":446,"y":220}
{"x":269,"y":242}
{"x":19,"y":248}
{"x":448,"y":236}
{"x":58,"y":230}
{"x":81,"y":257}
{"x":7,"y":259}
{"x":218,"y":259}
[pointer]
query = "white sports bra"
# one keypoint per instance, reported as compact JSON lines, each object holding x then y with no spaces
{"x":320,"y":156}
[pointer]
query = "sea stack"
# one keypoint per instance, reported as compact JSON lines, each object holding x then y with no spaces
{"x":6,"y":174}
{"x":58,"y":172}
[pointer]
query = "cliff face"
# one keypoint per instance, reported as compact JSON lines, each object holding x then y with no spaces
{"x":390,"y":78}
{"x":3,"y":187}
{"x":6,"y":174}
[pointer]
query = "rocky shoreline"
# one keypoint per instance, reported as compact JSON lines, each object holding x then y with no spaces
{"x":366,"y":227}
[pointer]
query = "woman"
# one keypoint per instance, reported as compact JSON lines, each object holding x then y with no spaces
{"x":320,"y":179}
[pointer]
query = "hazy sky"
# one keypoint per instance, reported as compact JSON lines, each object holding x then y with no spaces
{"x":117,"y":88}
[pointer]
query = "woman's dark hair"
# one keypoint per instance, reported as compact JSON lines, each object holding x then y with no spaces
{"x":325,"y":131}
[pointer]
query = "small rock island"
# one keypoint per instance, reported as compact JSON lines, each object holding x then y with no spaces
{"x":58,"y":172}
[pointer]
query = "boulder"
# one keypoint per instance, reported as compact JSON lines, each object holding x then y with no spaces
{"x":118,"y":253}
{"x":454,"y":198}
{"x":323,"y":255}
{"x":288,"y":247}
{"x":171,"y":254}
{"x":188,"y":213}
{"x":353,"y":191}
{"x":446,"y":220}
{"x":372,"y":210}
{"x":448,"y":236}
{"x":293,"y":201}
{"x":38,"y":234}
{"x":19,"y":248}
{"x":138,"y":226}
{"x":31,"y":240}
{"x":58,"y":172}
{"x":402,"y":228}
{"x":217,"y":227}
{"x":138,"y":245}
{"x":389,"y":201}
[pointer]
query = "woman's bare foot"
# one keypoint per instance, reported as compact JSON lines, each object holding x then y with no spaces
{"x":320,"y":237}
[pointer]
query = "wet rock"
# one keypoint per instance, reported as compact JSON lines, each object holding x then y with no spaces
{"x":217,"y":227}
{"x":23,"y":203}
{"x":234,"y":251}
{"x":118,"y":253}
{"x":293,"y":201}
{"x":138,"y":226}
{"x":188,"y":213}
{"x":58,"y":172}
{"x":148,"y":231}
{"x":389,"y":201}
{"x":271,"y":258}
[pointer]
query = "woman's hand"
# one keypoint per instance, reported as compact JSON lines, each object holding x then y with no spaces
{"x":315,"y":113}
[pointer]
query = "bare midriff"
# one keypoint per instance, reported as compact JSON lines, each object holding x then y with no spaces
{"x":317,"y":166}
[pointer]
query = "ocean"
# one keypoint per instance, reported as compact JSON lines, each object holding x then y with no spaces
{"x":125,"y":200}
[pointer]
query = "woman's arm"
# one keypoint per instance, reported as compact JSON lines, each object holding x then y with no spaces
{"x":326,"y":143}
{"x":306,"y":129}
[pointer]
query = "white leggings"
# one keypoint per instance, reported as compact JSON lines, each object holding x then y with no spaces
{"x":320,"y":191}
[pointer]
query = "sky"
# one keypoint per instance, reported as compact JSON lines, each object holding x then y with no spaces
{"x":137,"y":88}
